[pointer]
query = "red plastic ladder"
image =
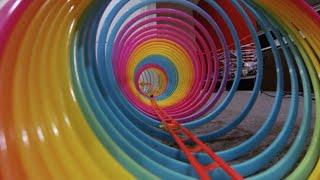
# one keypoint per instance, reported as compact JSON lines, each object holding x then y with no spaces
{"x":181,"y":135}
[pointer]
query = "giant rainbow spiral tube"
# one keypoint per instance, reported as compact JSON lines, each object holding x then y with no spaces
{"x":74,"y":79}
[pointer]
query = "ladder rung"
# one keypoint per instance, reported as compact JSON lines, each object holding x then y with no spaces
{"x":211,"y":166}
{"x":196,"y":148}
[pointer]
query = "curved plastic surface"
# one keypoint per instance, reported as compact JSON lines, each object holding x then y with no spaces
{"x":72,"y":77}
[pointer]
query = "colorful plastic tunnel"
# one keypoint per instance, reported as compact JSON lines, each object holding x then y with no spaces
{"x":75,"y":76}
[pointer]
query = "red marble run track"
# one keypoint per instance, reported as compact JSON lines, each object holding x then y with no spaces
{"x":183,"y":137}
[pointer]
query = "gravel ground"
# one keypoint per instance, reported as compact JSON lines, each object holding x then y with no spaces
{"x":252,"y":124}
